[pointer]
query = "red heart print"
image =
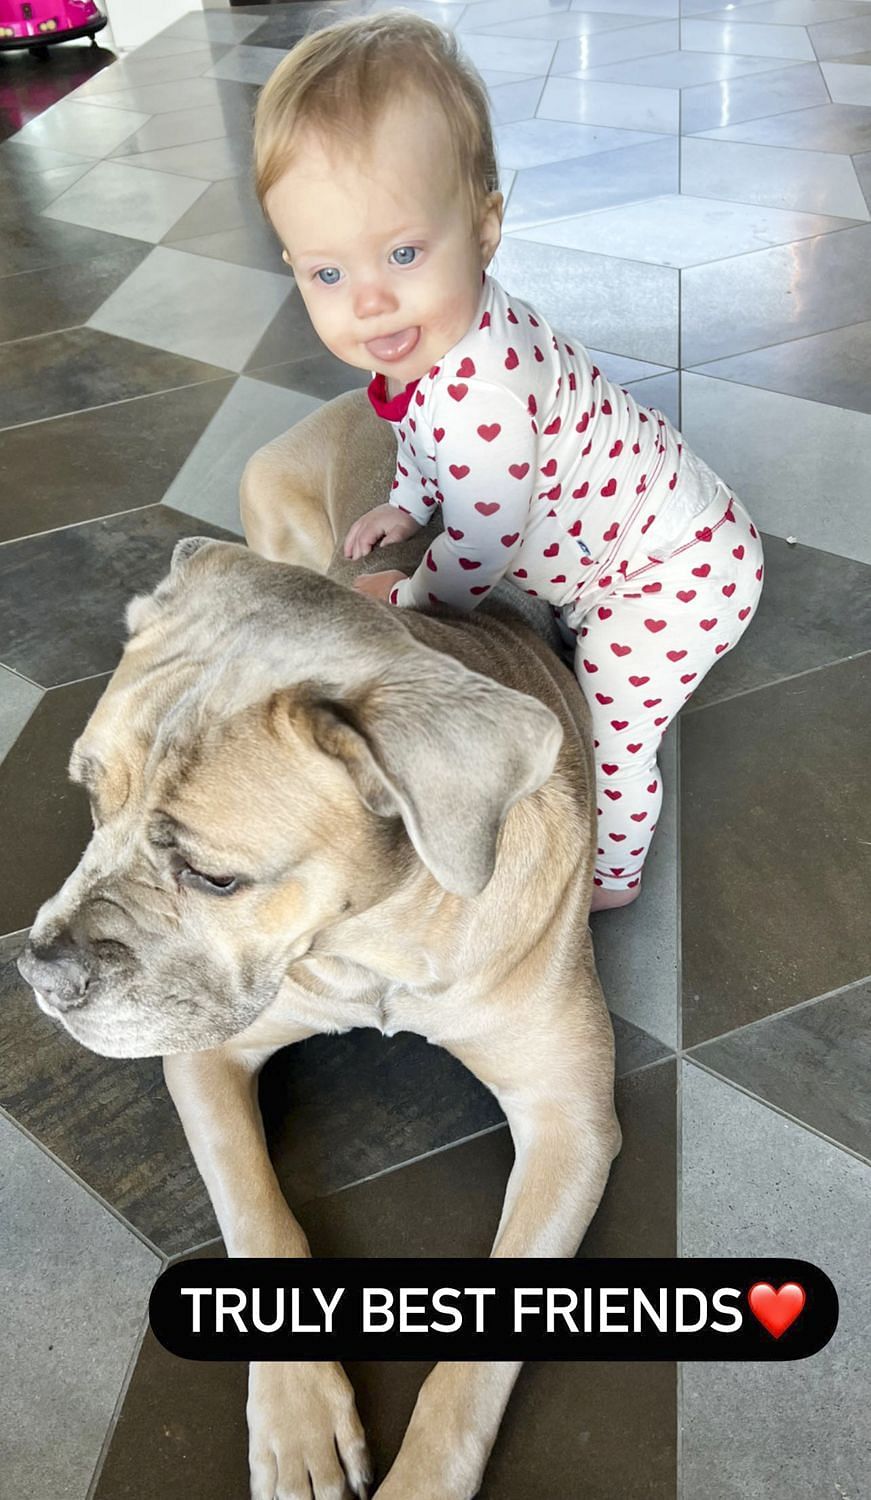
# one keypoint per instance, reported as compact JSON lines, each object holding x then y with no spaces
{"x":651,"y":588}
{"x":430,"y":564}
{"x":485,"y":321}
{"x":606,"y":408}
{"x":688,"y":676}
{"x":466,"y":369}
{"x":759,"y":574}
{"x":619,"y":723}
{"x":511,"y":316}
{"x":651,"y":702}
{"x":738,"y":552}
{"x":610,"y":770}
{"x":603,"y":582}
{"x":468,"y":563}
{"x":639,"y":681}
{"x":654,"y":626}
{"x":459,"y":471}
{"x":480,"y":588}
{"x":653,"y":786}
{"x":705,"y":534}
{"x":537,"y":352}
{"x":584,"y":423}
{"x":620,"y":650}
{"x":560,"y":578}
{"x":685,"y":595}
{"x":708,"y":624}
{"x":675,"y":655}
{"x":589,"y":666}
{"x":603,"y":612}
{"x":457,"y":392}
{"x":520,"y":573}
{"x":616,"y":838}
{"x":703,"y":571}
{"x":603,"y":698}
{"x":549,"y":469}
{"x":518,"y":471}
{"x":508,"y":541}
{"x":610,"y":534}
{"x":776,"y":1310}
{"x":531,"y":406}
{"x":672,"y":482}
{"x":575,"y":528}
{"x":511,"y":360}
{"x":638,"y":817}
{"x":753,"y":531}
{"x":743,"y":613}
{"x":633,"y":749}
{"x":553,"y":427}
{"x":650,"y":519}
{"x":609,"y":489}
{"x":457,"y":536}
{"x":723,"y":647}
{"x":617,"y":449}
{"x":487,"y":507}
{"x":614,"y":796}
{"x":552,"y":550}
{"x":438,"y":433}
{"x":663,"y":720}
{"x":489,"y":433}
{"x":419,"y":397}
{"x":728,"y":589}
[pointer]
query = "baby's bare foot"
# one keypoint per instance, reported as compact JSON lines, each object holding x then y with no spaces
{"x":607,"y":900}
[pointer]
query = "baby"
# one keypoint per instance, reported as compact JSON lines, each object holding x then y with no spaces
{"x":375,"y":164}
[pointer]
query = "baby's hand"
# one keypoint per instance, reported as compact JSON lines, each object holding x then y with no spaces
{"x":384,"y":524}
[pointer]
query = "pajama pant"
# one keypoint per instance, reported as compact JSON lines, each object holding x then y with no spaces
{"x":641,"y":652}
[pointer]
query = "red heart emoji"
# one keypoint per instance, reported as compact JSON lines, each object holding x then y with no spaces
{"x":776,"y":1310}
{"x":489,"y":433}
{"x":457,"y":392}
{"x":518,"y":471}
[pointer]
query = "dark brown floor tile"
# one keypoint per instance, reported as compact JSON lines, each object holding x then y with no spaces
{"x":635,"y":1048}
{"x":33,"y":191}
{"x":814,"y":1063}
{"x":31,"y":243}
{"x":63,"y":594}
{"x":59,"y":373}
{"x":319,"y":375}
{"x":774,"y":845}
{"x":100,"y":461}
{"x":32,"y":303}
{"x":565,"y":1429}
{"x":815,"y":609}
{"x":289,"y":337}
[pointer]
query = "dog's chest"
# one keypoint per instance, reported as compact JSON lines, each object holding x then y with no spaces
{"x":336,"y":994}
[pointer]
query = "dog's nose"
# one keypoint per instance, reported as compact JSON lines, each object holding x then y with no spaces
{"x":58,"y":970}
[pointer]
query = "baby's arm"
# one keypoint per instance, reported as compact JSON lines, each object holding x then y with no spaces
{"x":487,"y":472}
{"x":409,"y":508}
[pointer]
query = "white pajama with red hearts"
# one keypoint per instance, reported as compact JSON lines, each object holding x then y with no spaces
{"x":642,"y":651}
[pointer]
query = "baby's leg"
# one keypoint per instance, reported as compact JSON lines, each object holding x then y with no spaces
{"x":642,"y":651}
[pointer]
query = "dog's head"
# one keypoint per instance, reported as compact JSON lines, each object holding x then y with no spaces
{"x":273,"y":753}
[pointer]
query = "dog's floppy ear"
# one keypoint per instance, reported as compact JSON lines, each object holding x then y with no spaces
{"x":447,"y":750}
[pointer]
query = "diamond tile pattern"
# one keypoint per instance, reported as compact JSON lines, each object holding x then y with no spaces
{"x":688,"y":194}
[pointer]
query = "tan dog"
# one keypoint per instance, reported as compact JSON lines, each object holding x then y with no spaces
{"x":313,"y":812}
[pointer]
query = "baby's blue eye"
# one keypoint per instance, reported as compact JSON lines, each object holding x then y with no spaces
{"x":400,"y":250}
{"x":325,"y":272}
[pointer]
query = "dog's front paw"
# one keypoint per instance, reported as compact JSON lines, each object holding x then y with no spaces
{"x":433,"y":1468}
{"x":306,"y":1441}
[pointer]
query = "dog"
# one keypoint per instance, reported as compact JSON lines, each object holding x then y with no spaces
{"x":313,"y":812}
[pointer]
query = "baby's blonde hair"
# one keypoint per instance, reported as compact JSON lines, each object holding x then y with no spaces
{"x":338,"y":82}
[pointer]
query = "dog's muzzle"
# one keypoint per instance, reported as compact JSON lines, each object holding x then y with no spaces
{"x":59,"y":971}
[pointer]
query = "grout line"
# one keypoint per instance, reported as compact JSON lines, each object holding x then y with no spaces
{"x":125,"y":400}
{"x":778,"y":1109}
{"x":20,"y":675}
{"x":844,"y":989}
{"x":119,"y":1405}
{"x":58,"y":687}
{"x":762,"y":687}
{"x":412,"y":1160}
{"x":85,"y":521}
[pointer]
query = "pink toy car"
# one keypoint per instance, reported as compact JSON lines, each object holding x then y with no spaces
{"x":38,"y":23}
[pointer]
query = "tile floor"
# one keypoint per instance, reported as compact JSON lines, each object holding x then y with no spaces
{"x":689,"y":193}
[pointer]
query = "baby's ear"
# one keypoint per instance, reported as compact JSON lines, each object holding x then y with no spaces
{"x":286,"y":258}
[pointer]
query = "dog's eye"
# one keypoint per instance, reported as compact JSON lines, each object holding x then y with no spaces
{"x":220,"y":885}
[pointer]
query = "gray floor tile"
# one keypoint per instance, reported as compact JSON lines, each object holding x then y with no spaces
{"x":100,"y":461}
{"x":126,"y":200}
{"x":680,"y":231}
{"x":161,"y":98}
{"x":811,"y":487}
{"x":661,"y":391}
{"x":563,"y":1418}
{"x":533,"y":143}
{"x":614,"y":304}
{"x":248,"y":64}
{"x":184,"y":127}
{"x":209,"y":161}
{"x":512,"y":102}
{"x":84,"y":129}
{"x":754,"y":1183}
{"x":682,"y":70}
{"x":788,"y":12}
{"x":31,"y":242}
{"x":18,"y":699}
{"x":811,"y":181}
{"x":135,"y":70}
{"x":53,"y":635}
{"x":845,"y":128}
{"x":551,"y":26}
{"x":81,"y":1284}
{"x":847,"y":84}
{"x":520,"y":55}
{"x":832,"y":368}
{"x":214,"y":26}
{"x":31,"y":303}
{"x":203,"y":309}
{"x":637,"y":947}
{"x":812,"y":1063}
{"x":787,"y":87}
{"x":253,"y":244}
{"x":837,"y":38}
{"x":815,"y":610}
{"x":31,"y":191}
{"x":60,"y":373}
{"x":773,"y":840}
{"x":592,"y":51}
{"x":320,"y":375}
{"x":629,"y":106}
{"x":253,"y":413}
{"x":229,"y":204}
{"x":600,"y":181}
{"x":703,"y":35}
{"x":21,"y":157}
{"x":833,"y":292}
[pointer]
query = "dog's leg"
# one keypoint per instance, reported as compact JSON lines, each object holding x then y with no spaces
{"x":551,"y":1066}
{"x":305,"y":1438}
